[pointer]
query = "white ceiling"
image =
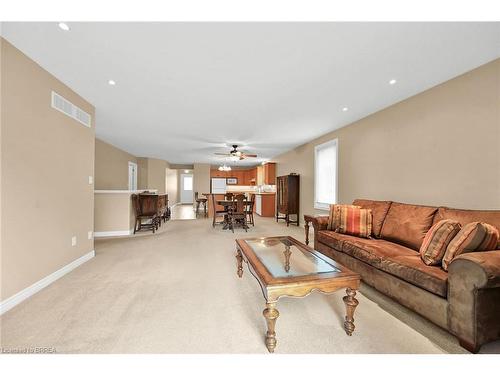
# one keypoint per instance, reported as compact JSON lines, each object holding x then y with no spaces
{"x":184,"y":90}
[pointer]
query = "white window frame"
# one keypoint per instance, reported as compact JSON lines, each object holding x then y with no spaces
{"x":333,"y":142}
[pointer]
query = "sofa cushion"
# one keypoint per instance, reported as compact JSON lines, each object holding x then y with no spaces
{"x":355,"y":221}
{"x":473,"y":237}
{"x":332,"y":239}
{"x":379,"y":212}
{"x":407,"y":224}
{"x":436,"y":241}
{"x":398,"y":261}
{"x":491,"y":217}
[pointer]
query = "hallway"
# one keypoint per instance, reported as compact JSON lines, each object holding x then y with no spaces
{"x":183,"y":212}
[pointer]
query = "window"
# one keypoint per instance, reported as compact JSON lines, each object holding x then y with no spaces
{"x":325,"y":174}
{"x":188,"y":183}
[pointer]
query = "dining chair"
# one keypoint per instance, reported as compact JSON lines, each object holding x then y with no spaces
{"x":249,"y":209}
{"x":237,"y":212}
{"x":200,"y":201}
{"x":216,"y":213}
{"x":229,"y":196}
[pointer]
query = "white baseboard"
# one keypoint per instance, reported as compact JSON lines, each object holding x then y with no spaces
{"x":114,"y":233}
{"x":175,"y":204}
{"x":17,"y":298}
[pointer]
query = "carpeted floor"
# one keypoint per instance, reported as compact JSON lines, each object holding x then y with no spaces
{"x":177,"y":292}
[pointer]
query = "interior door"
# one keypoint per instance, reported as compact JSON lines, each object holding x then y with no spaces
{"x":132,"y":176}
{"x":186,"y":188}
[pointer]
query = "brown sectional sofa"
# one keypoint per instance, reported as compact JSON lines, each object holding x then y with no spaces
{"x":465,"y":300}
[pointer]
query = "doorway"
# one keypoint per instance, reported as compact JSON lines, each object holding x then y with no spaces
{"x":186,"y":188}
{"x":132,"y":176}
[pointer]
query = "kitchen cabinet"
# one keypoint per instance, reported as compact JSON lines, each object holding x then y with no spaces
{"x":265,"y":204}
{"x":261,"y":175}
{"x":270,"y":174}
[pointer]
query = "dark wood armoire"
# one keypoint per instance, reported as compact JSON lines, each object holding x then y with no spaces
{"x":287,"y":198}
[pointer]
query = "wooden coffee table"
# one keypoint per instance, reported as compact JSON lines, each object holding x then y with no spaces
{"x":284,"y":266}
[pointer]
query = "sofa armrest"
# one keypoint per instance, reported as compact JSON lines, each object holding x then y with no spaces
{"x":319,"y":223}
{"x":483,"y":268}
{"x":474,"y":298}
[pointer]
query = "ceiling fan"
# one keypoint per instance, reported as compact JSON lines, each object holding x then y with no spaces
{"x":235,"y":154}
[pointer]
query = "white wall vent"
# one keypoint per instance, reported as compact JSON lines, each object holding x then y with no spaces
{"x":68,"y":108}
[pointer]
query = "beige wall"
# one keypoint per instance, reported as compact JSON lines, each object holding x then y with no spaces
{"x":152,"y":174}
{"x":156,"y":174}
{"x":111,"y":167}
{"x":142,"y":173}
{"x":201,"y":178}
{"x":113,"y":212}
{"x":172,"y":184}
{"x":440,"y":147}
{"x":46,"y":159}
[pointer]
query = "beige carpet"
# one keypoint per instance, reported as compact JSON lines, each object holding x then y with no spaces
{"x":177,"y":292}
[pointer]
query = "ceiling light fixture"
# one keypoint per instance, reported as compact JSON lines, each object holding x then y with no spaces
{"x":345,"y":109}
{"x":224,"y":168}
{"x":392,"y":82}
{"x":111,"y":82}
{"x":63,"y":26}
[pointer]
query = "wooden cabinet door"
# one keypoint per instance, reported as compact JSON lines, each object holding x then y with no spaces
{"x":252,"y":176}
{"x":246,"y":177}
{"x":282,"y":194}
{"x":270,"y":173}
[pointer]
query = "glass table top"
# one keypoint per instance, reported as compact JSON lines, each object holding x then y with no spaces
{"x":283,"y":258}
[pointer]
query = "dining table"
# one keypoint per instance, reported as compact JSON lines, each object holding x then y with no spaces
{"x":226,"y":203}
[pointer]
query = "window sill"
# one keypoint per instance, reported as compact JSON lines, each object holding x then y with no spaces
{"x":318,"y":206}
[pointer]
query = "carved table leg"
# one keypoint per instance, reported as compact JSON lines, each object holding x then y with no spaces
{"x":271,"y":314}
{"x":239,"y":258}
{"x":350,"y":306}
{"x":306,"y":227}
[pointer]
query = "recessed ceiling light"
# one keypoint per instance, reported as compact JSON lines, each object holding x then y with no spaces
{"x":111,"y":82}
{"x":63,"y":26}
{"x":345,"y":109}
{"x":392,"y":82}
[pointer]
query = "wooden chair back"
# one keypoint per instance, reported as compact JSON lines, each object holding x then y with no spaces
{"x":229,"y":196}
{"x":239,"y":204}
{"x":214,"y":203}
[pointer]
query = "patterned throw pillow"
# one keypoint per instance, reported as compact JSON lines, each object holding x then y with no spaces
{"x":437,"y":239}
{"x":474,"y":236}
{"x":334,"y":216}
{"x":355,"y":221}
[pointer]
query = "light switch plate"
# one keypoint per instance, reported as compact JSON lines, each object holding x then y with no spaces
{"x":89,"y":235}
{"x":73,"y":241}
{"x":91,"y":180}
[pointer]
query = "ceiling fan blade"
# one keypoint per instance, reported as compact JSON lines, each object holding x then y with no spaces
{"x":219,"y":153}
{"x":250,"y":155}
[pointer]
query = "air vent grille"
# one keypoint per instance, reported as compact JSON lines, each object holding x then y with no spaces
{"x":68,"y":108}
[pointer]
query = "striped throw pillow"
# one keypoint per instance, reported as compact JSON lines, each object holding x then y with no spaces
{"x":355,"y":221}
{"x":474,"y":236}
{"x":436,"y":241}
{"x":334,"y":216}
